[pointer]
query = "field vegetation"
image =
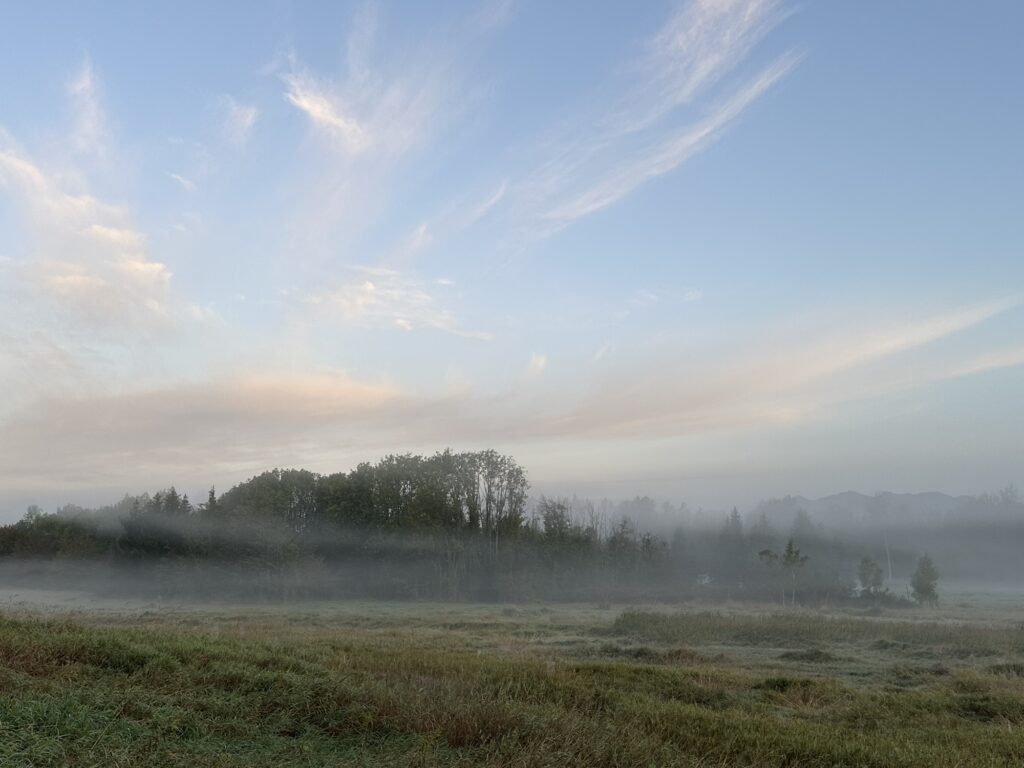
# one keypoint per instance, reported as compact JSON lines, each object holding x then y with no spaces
{"x":377,"y":684}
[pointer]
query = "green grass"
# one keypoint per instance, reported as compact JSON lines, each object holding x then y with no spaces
{"x":482,"y":686}
{"x":802,"y":629}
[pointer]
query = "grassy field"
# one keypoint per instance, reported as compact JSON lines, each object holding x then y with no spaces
{"x":367,"y":684}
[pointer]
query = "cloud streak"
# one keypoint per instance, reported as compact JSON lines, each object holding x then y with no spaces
{"x":88,"y":135}
{"x":608,"y":186}
{"x":157,"y":433}
{"x":385,"y":298}
{"x":84,"y":252}
{"x":370,"y":111}
{"x":666,"y":112}
{"x":375,"y":118}
{"x":238,"y":119}
{"x":395,"y":159}
{"x":247,"y":421}
{"x":187,"y":184}
{"x":327,"y":113}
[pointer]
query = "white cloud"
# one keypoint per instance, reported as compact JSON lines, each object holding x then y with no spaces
{"x":455,"y":218}
{"x":382,"y":111}
{"x":144,"y":272}
{"x":187,"y":184}
{"x":88,"y":135}
{"x":994,"y":361}
{"x":246,"y":422}
{"x":420,"y":238}
{"x":374,"y":116}
{"x":84,"y":253}
{"x":496,"y":197}
{"x":535,"y":368}
{"x":327,"y":114}
{"x":699,"y":44}
{"x":386,"y":117}
{"x":117,"y":236}
{"x":609,"y":185}
{"x":70,"y":282}
{"x":93,"y":287}
{"x":775,"y":382}
{"x":238,"y":119}
{"x":670,"y":106}
{"x":870,"y":344}
{"x":385,"y":298}
{"x":42,"y":193}
{"x":204,"y":314}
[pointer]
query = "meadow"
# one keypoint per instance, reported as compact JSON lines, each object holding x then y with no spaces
{"x":421,"y":684}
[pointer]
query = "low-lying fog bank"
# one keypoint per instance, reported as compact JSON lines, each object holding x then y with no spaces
{"x":463,"y":527}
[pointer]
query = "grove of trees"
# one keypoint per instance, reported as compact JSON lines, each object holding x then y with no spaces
{"x":447,"y":526}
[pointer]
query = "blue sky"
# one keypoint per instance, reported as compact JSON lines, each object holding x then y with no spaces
{"x":710,"y":250}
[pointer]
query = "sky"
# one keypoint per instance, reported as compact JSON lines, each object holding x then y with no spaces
{"x":713,"y":250}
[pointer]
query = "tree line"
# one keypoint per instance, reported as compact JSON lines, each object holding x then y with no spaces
{"x":451,"y":526}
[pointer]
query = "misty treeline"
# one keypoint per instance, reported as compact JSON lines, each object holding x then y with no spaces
{"x":463,"y":526}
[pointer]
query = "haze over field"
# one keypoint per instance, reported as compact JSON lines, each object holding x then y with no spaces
{"x":720,"y":251}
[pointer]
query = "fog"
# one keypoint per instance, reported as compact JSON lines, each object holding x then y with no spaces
{"x":464,"y":527}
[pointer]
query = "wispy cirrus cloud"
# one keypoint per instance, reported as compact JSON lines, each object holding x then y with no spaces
{"x":369,"y":110}
{"x":44,"y":197}
{"x":701,"y":42}
{"x":992,"y":361}
{"x":244,"y":422}
{"x":393,"y":156}
{"x":237,"y":119}
{"x":81,"y":256}
{"x":85,"y":253}
{"x":778,"y":381}
{"x":607,"y":185}
{"x":328,"y":113}
{"x":89,"y":126}
{"x":378,"y":297}
{"x":669,"y":105}
{"x":185,"y":183}
{"x":83,"y":294}
{"x":375,"y":117}
{"x":868,"y":345}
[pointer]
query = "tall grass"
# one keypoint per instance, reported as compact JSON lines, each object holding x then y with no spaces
{"x":77,"y":695}
{"x":804,"y":629}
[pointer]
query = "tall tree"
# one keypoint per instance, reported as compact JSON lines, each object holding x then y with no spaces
{"x":924,"y":583}
{"x":792,"y":561}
